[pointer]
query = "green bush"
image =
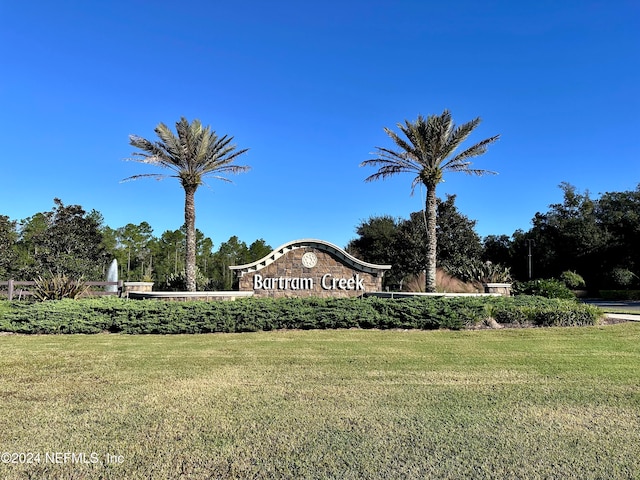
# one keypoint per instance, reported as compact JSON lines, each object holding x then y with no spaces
{"x":97,"y":315}
{"x":572,"y":280}
{"x":178,"y":281}
{"x":544,"y":312}
{"x":483,"y":272}
{"x":549,"y":288}
{"x":5,"y":307}
{"x":622,"y":277}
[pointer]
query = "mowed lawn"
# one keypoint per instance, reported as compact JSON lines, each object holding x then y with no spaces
{"x":513,"y":403}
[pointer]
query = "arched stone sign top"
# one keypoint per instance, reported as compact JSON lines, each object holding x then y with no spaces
{"x":309,"y":268}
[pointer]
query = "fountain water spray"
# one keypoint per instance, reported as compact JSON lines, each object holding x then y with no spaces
{"x":112,"y":276}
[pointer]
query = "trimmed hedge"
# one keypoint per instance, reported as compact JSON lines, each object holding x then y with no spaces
{"x":543,"y":312}
{"x":250,"y":315}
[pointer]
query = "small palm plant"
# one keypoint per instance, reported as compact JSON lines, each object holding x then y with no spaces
{"x":57,"y":287}
{"x":482,"y":272}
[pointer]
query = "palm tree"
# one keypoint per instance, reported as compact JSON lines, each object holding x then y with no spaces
{"x":195,"y":153}
{"x":428,"y":152}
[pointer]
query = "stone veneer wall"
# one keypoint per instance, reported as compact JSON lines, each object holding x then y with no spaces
{"x":290,"y":265}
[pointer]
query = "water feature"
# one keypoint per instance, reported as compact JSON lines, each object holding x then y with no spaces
{"x":112,"y":276}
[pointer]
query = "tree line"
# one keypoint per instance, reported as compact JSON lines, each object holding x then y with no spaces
{"x":69,"y":240}
{"x":597,"y":238}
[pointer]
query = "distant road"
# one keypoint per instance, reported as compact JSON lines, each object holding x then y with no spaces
{"x":628,"y":305}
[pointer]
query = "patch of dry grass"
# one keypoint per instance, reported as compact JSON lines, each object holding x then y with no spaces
{"x":445,"y":283}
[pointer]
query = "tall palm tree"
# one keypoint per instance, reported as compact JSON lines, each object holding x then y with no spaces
{"x":429,"y":152}
{"x":194,"y":153}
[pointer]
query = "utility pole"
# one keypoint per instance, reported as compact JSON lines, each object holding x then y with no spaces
{"x":530,"y":242}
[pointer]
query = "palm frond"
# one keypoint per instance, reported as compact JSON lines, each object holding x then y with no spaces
{"x":404,"y":146}
{"x":156,"y":176}
{"x":168,"y":144}
{"x":456,"y":136}
{"x":154,"y":153}
{"x":389,"y":167}
{"x":385,"y":172}
{"x":224,"y":179}
{"x":386,"y":156}
{"x":472,"y":171}
{"x":233,"y":169}
{"x":189,"y":136}
{"x":435,"y":133}
{"x":478,"y":149}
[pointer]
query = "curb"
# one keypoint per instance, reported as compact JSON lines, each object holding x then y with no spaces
{"x":623,"y":316}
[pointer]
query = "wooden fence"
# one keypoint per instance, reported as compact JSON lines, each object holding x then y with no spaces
{"x":16,"y":292}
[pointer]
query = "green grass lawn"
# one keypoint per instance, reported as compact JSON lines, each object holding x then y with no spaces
{"x":514,"y":403}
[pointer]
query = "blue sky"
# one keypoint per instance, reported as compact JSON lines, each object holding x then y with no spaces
{"x":308,"y":88}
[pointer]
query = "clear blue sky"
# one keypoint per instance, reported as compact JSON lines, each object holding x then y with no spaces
{"x":308,"y":88}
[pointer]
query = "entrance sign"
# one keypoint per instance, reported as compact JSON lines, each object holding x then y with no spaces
{"x":310,"y":268}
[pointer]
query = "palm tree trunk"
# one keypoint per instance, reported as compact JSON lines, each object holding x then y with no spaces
{"x":430,"y":267}
{"x":190,"y":226}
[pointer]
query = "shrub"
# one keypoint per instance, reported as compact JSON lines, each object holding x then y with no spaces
{"x":483,"y":272}
{"x":622,"y":277}
{"x":249,"y":315}
{"x":5,"y":307}
{"x":55,"y":316}
{"x":57,"y":287}
{"x":178,"y":281}
{"x":544,"y":312}
{"x":549,"y":288}
{"x":572,"y":280}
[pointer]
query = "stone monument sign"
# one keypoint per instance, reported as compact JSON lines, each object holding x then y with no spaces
{"x":309,"y":268}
